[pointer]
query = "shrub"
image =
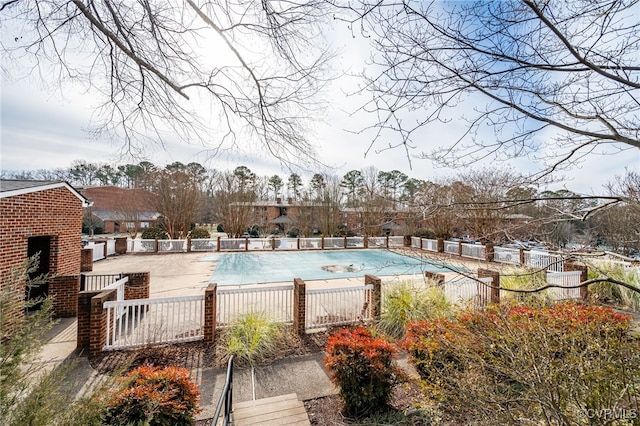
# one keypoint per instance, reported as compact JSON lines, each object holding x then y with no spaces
{"x":154,"y":396}
{"x":613,"y":293}
{"x":200,"y":233}
{"x":405,"y":303}
{"x":533,"y":364}
{"x":362,"y":366}
{"x":154,"y":233}
{"x":253,"y":338}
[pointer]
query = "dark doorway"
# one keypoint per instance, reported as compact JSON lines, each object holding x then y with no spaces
{"x":37,"y":245}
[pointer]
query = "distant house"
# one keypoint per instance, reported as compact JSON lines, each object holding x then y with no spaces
{"x":45,"y":218}
{"x":118,"y":209}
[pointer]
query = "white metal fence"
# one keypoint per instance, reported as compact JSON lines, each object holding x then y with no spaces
{"x":98,"y":250}
{"x":377,"y":242}
{"x":473,"y":251}
{"x":111,"y":247}
{"x":466,"y":290}
{"x":172,"y":246}
{"x":154,"y":321}
{"x":543,"y":260}
{"x":98,"y":282}
{"x":506,"y":255}
{"x":204,"y":244}
{"x":451,"y":247}
{"x":396,"y":242}
{"x":274,"y":302}
{"x":563,"y":279}
{"x":337,"y":306}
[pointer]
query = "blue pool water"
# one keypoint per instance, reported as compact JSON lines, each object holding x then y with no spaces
{"x":252,"y":268}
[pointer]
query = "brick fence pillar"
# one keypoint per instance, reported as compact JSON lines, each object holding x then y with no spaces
{"x":460,"y":248}
{"x":522,"y":256}
{"x":86,"y":260}
{"x":440,"y":244}
{"x":438,"y":278}
{"x":210,"y":306}
{"x":569,"y":266}
{"x":489,"y":252}
{"x":407,"y":241}
{"x":365,"y":242}
{"x":188,"y":244}
{"x":376,"y":296}
{"x":218,"y":244}
{"x":299,"y":306}
{"x":64,"y":290}
{"x":92,"y":320}
{"x":495,"y":283}
{"x":121,"y":245}
{"x":138,"y":285}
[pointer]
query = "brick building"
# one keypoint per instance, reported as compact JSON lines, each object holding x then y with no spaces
{"x":116,"y":209}
{"x":42,"y":217}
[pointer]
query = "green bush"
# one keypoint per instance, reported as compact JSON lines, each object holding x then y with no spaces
{"x":406,"y":302}
{"x":154,"y":233}
{"x":253,"y":338}
{"x":154,"y":396}
{"x":612,"y":293}
{"x":533,"y":364}
{"x":522,"y":279}
{"x":362,"y":366}
{"x":200,"y":233}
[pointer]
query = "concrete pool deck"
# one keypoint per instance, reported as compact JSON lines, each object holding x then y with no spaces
{"x":185,"y":274}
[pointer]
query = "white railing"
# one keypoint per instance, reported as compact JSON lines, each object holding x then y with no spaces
{"x":415,"y":242}
{"x":334,"y":243}
{"x":119,"y":287}
{"x":377,"y":242}
{"x":473,"y":251}
{"x":274,"y":302}
{"x":355,"y":242}
{"x":233,"y":244}
{"x":172,"y":246}
{"x":430,"y":245}
{"x":336,"y":306}
{"x":543,"y":260}
{"x":154,"y":321}
{"x":204,"y":244}
{"x":451,"y":247}
{"x":141,"y":246}
{"x":396,"y":242}
{"x":563,"y":279}
{"x":310,"y":243}
{"x":506,"y":255}
{"x":465,"y":290}
{"x":98,"y":282}
{"x":98,"y":250}
{"x":111,"y":247}
{"x":260,"y":243}
{"x":286,"y":243}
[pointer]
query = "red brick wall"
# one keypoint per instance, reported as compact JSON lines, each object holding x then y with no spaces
{"x":54,"y":212}
{"x":64,"y":290}
{"x":138,"y":285}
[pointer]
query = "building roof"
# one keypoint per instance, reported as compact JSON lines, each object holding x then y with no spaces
{"x":13,"y":187}
{"x":285,"y":220}
{"x":114,"y":198}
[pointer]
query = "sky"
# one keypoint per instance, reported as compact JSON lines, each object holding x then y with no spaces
{"x":42,"y":128}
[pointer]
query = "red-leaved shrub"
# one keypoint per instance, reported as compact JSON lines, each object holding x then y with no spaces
{"x":154,"y":396}
{"x":362,"y":366}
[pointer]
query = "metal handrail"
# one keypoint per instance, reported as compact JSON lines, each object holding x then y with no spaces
{"x":226,"y":397}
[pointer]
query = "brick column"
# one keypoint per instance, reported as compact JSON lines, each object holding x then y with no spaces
{"x":569,"y":266}
{"x":121,"y":245}
{"x":345,"y":242}
{"x":299,"y":306}
{"x":488,"y":252}
{"x":188,"y":244}
{"x":246,"y":243}
{"x":421,"y":246}
{"x":365,"y":242}
{"x":376,"y":309}
{"x":440,"y":244}
{"x":521,"y":256}
{"x":438,"y":278}
{"x":92,"y":320}
{"x":218,"y":245}
{"x":495,"y":284}
{"x":387,"y":242}
{"x":407,"y":241}
{"x":460,"y":248}
{"x":64,"y":290}
{"x":322,"y":242}
{"x":138,"y":285}
{"x":210,"y":305}
{"x":86,"y":260}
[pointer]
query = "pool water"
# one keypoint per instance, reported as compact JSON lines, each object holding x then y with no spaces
{"x":268,"y":267}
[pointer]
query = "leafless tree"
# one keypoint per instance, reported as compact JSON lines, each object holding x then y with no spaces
{"x":555,"y":80}
{"x":214,"y":72}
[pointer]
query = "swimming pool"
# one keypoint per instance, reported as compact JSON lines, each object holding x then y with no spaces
{"x":253,"y":268}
